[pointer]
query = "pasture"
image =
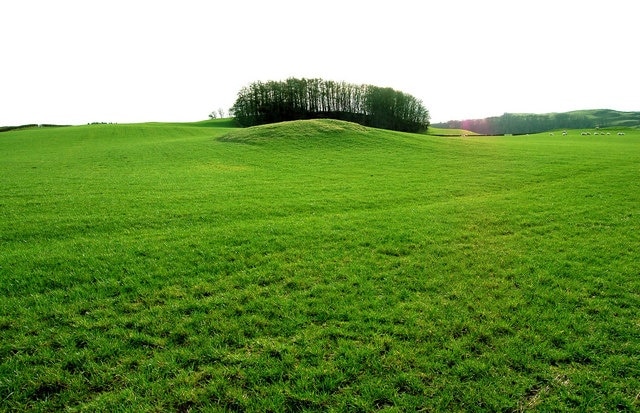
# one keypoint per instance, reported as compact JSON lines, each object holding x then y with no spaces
{"x":317,"y":266}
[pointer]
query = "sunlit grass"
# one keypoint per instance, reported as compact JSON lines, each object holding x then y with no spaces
{"x":319,"y":266}
{"x":449,"y":132}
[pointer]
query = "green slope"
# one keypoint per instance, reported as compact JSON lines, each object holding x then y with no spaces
{"x":317,"y":266}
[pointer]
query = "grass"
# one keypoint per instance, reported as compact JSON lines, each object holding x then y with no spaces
{"x":449,"y":132}
{"x":317,"y":266}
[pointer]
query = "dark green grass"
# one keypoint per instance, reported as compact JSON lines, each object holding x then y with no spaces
{"x":317,"y":266}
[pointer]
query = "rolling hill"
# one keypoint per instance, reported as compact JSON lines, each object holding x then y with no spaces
{"x":317,"y":266}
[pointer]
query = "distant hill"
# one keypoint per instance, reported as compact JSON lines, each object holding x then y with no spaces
{"x":29,"y":126}
{"x":521,"y":123}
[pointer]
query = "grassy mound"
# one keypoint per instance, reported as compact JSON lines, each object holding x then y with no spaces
{"x":299,"y":129}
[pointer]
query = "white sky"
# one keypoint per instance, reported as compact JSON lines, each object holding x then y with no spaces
{"x":80,"y":61}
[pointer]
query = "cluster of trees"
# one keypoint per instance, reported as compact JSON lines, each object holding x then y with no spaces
{"x":520,"y":123}
{"x":293,"y":99}
{"x":215,"y":114}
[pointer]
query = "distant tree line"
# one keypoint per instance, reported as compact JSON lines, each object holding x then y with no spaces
{"x":293,"y":99}
{"x":28,"y":126}
{"x":521,"y":123}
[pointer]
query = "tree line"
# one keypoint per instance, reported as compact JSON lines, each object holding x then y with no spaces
{"x":522,"y":123}
{"x":29,"y":126}
{"x":294,"y":99}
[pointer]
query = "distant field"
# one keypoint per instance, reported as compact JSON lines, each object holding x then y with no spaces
{"x":317,"y":266}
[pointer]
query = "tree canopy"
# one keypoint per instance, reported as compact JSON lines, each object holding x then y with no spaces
{"x":293,"y":99}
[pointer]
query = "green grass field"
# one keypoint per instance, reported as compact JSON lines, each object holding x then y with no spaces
{"x":317,"y":266}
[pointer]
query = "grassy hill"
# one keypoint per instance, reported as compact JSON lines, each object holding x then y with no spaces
{"x":317,"y":265}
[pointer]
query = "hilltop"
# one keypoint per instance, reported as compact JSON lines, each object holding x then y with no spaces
{"x":520,"y":123}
